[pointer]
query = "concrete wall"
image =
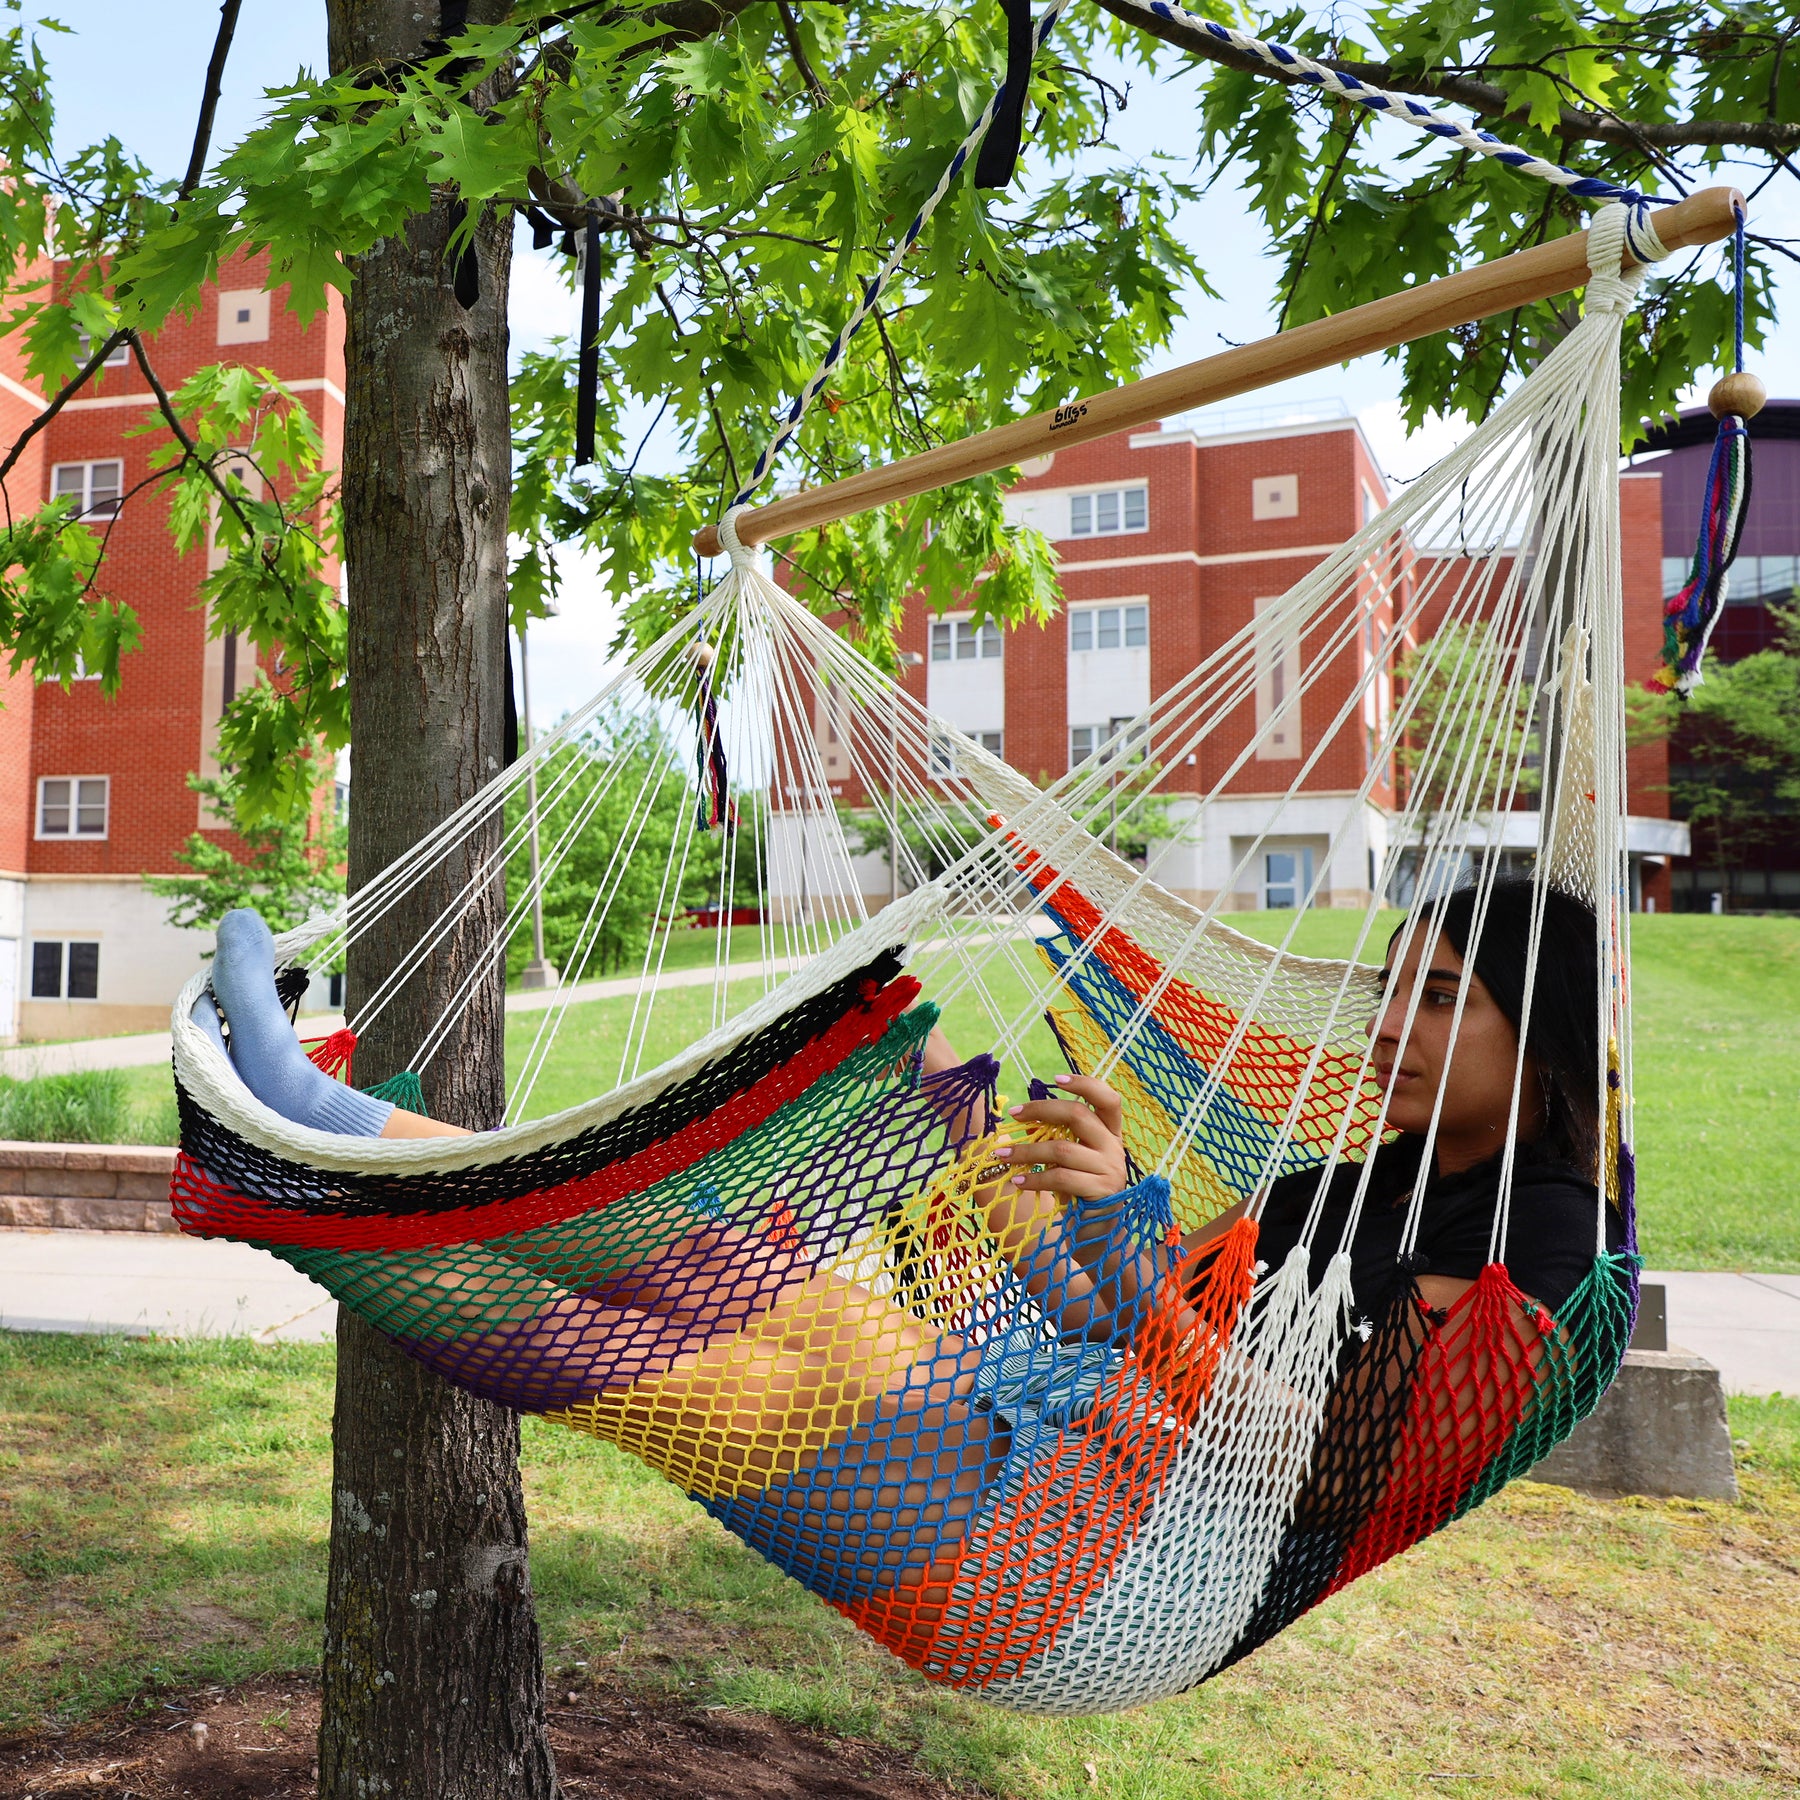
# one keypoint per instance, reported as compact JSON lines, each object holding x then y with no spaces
{"x":143,"y":958}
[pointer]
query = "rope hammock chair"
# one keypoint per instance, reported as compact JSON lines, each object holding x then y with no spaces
{"x":1068,"y":1502}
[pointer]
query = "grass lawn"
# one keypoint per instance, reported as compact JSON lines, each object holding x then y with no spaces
{"x":163,"y":1518}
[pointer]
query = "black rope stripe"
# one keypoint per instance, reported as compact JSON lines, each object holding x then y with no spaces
{"x":233,"y":1162}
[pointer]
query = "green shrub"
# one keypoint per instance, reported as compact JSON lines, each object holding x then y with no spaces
{"x":88,"y":1107}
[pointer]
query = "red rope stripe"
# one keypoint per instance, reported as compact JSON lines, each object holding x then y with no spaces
{"x":203,"y":1208}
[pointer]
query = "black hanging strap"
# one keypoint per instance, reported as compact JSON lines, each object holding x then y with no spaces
{"x":1000,"y":148}
{"x":509,"y":725}
{"x":587,"y":373}
{"x":465,"y":278}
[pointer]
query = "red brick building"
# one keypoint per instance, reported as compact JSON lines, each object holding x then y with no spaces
{"x":93,"y":791}
{"x":1169,"y":541}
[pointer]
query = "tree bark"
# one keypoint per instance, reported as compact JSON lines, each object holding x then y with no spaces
{"x":433,"y":1671}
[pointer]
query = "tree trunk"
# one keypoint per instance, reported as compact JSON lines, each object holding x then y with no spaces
{"x":433,"y":1673}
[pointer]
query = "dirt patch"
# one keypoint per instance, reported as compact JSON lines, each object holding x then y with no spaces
{"x":257,"y":1744}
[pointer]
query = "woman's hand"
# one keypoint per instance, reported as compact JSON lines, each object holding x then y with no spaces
{"x":1089,"y":1165}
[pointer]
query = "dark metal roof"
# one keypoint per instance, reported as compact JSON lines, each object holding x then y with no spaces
{"x":1779,"y":419}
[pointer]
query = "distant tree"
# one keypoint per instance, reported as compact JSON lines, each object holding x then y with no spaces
{"x":592,"y":791}
{"x":287,"y":866}
{"x":1445,"y":736}
{"x":1734,"y":752}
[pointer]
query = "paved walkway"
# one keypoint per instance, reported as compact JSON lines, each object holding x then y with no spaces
{"x":1749,"y":1325}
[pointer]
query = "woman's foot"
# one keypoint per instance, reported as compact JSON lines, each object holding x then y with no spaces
{"x":264,"y":1049}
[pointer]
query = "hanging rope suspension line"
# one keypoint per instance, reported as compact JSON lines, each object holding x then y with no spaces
{"x":1279,"y":59}
{"x":877,"y":284}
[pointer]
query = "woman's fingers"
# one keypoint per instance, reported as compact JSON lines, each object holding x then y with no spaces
{"x":1108,"y":1108}
{"x":1078,"y":1184}
{"x":1072,"y":1115}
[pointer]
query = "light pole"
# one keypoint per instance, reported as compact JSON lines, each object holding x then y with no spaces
{"x":907,"y":659}
{"x":540,"y":972}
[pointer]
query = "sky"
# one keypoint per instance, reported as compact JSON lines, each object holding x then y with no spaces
{"x":135,"y":71}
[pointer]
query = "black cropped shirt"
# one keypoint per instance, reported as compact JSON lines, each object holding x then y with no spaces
{"x":1550,"y":1238}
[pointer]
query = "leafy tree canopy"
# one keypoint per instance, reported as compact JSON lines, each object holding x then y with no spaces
{"x":749,"y":163}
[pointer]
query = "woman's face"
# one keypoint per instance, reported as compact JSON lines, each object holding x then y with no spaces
{"x":1475,"y":1072}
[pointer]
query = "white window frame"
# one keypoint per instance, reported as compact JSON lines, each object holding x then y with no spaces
{"x":63,"y":947}
{"x":89,"y":507}
{"x":1133,"y":750}
{"x":1084,"y":510}
{"x":1130,"y":612}
{"x":72,"y":805}
{"x":956,"y":629}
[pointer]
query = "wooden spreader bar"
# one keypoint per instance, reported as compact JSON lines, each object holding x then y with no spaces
{"x":1479,"y":293}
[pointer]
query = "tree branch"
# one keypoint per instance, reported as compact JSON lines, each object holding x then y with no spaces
{"x":209,"y":98}
{"x":790,"y":29}
{"x":65,"y":394}
{"x":1480,"y":97}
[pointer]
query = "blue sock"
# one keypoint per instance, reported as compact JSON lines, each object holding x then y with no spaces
{"x":206,"y":1016}
{"x":264,"y":1049}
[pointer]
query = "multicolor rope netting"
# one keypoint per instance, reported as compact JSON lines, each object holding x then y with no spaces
{"x":1065,"y":1463}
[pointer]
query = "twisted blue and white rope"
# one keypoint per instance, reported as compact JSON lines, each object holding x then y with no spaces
{"x":876,"y":286}
{"x":1279,"y":58}
{"x":1639,"y":239}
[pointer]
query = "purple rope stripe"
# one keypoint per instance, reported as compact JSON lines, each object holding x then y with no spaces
{"x":1411,"y":112}
{"x":877,"y":285}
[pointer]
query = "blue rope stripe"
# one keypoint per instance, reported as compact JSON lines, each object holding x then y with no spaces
{"x":877,"y":285}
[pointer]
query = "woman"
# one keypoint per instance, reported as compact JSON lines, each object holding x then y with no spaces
{"x":906,"y":1426}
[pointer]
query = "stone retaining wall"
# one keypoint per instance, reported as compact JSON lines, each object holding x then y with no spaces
{"x":85,"y":1187}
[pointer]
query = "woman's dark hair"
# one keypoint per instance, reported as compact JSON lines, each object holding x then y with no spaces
{"x":1563,"y":1036}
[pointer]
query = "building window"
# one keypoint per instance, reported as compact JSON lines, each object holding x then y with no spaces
{"x":1109,"y":627}
{"x":944,"y":762}
{"x":1277,"y":689}
{"x":1275,"y":497}
{"x":1287,"y":878}
{"x":1751,"y":577}
{"x":961,"y":640}
{"x":116,"y":357}
{"x":72,"y":806}
{"x":1109,"y":511}
{"x":243,"y":316}
{"x":1370,"y":505}
{"x":65,"y":971}
{"x":95,"y":487}
{"x":1089,"y":740}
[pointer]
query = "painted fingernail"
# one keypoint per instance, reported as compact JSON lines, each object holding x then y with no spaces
{"x":1003,"y":1151}
{"x":1017,"y":1110}
{"x":1018,"y":1181}
{"x":1064,"y":1077}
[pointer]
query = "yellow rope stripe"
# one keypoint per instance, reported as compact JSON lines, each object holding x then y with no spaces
{"x":746,"y":1411}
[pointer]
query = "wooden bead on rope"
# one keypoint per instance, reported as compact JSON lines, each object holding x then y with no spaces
{"x":1741,"y":395}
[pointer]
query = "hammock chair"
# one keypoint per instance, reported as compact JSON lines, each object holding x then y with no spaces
{"x":1062,"y":1517}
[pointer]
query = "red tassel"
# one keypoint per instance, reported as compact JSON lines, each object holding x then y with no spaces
{"x":332,"y":1054}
